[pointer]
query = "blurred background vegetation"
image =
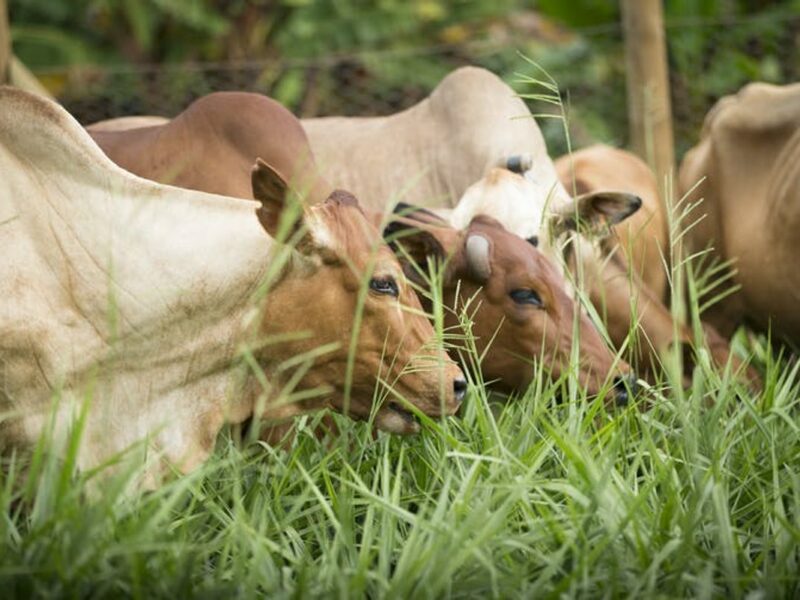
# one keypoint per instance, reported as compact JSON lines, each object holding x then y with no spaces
{"x":106,"y":58}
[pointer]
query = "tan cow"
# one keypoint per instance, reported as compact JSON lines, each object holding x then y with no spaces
{"x":643,"y":236}
{"x":747,"y":165}
{"x":142,"y":298}
{"x":228,"y":128}
{"x":636,"y":255}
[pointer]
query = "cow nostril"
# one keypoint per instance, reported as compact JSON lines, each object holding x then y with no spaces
{"x":625,"y":388}
{"x":460,"y":388}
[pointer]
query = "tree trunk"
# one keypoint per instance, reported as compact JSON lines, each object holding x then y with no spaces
{"x":5,"y":43}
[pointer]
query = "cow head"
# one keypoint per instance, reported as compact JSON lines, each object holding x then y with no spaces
{"x":517,"y":300}
{"x":535,"y":206}
{"x":342,"y":317}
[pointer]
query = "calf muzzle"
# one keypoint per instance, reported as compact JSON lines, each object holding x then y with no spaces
{"x":625,"y":389}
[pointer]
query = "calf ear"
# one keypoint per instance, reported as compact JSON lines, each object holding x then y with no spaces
{"x":594,"y":213}
{"x":281,"y":212}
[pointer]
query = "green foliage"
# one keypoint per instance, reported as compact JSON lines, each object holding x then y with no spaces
{"x":581,"y":13}
{"x":356,"y":57}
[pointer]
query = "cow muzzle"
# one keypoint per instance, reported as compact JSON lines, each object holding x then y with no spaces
{"x":624,"y":389}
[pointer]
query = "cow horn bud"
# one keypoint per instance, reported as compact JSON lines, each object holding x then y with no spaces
{"x":519,"y":163}
{"x":478,"y":257}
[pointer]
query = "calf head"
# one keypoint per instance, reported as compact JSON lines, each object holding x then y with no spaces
{"x":341,"y":317}
{"x":520,"y":310}
{"x":542,"y":210}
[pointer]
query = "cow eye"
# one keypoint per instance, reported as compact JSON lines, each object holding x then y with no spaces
{"x":384,"y":285}
{"x":526,"y":296}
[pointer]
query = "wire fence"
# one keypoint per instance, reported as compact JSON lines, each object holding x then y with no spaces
{"x":708,"y":58}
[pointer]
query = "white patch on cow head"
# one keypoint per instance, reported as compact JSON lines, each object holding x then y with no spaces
{"x":505,"y":196}
{"x":319,"y":231}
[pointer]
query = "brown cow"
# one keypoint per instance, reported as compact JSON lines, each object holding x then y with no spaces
{"x":747,"y":165}
{"x":521,"y":334}
{"x":636,"y":258}
{"x":518,"y":299}
{"x":143,"y":296}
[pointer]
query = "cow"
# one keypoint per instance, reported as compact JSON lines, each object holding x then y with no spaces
{"x":472,"y":148}
{"x":636,"y":256}
{"x":157,"y":313}
{"x":643,"y":237}
{"x":484,"y":261}
{"x":745,"y":174}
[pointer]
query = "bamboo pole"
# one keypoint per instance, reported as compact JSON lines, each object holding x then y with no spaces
{"x":649,"y":106}
{"x":5,"y":43}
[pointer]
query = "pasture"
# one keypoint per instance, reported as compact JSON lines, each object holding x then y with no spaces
{"x":689,"y":488}
{"x":531,"y":498}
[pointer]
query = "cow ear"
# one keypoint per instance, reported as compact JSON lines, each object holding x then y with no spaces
{"x":594,"y":213}
{"x":281,"y":213}
{"x":415,"y":242}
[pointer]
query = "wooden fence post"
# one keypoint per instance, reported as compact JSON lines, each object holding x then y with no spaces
{"x":5,"y":43}
{"x":649,"y":106}
{"x":12,"y":71}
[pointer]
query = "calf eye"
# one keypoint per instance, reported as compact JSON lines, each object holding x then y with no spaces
{"x":526,"y":296}
{"x":384,"y":285}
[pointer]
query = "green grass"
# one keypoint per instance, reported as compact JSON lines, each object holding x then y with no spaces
{"x":528,"y":497}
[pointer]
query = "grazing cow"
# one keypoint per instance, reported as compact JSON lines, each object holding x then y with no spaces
{"x":635,"y":258}
{"x":143,"y":297}
{"x":520,"y":307}
{"x":747,"y":165}
{"x":229,"y":128}
{"x":443,"y":153}
{"x":632,"y":282}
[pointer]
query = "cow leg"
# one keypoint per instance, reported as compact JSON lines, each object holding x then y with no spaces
{"x":720,"y":351}
{"x":626,"y":305}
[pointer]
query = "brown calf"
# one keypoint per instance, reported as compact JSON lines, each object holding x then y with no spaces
{"x":630,"y":283}
{"x":519,"y":308}
{"x":209,"y":147}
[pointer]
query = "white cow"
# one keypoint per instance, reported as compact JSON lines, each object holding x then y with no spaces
{"x":138,"y":297}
